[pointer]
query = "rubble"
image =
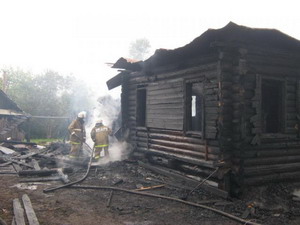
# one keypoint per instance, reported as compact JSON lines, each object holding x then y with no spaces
{"x":126,"y":188}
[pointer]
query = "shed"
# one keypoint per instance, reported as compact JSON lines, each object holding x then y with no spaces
{"x":11,"y":116}
{"x":229,"y":100}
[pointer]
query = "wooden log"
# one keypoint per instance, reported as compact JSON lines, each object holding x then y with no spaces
{"x":31,"y":216}
{"x":185,"y":180}
{"x":275,"y":177}
{"x":109,"y":198}
{"x":165,"y":92}
{"x":211,"y":66}
{"x":168,"y":155}
{"x":183,"y":152}
{"x":176,"y":138}
{"x":43,"y":172}
{"x":41,"y":179}
{"x":195,"y":170}
{"x":18,"y":142}
{"x":6,"y":150}
{"x":269,"y":153}
{"x":170,"y":132}
{"x":164,"y":116}
{"x":182,"y":145}
{"x":171,"y":100}
{"x":271,"y":160}
{"x":269,"y":169}
{"x":21,"y":163}
{"x":18,"y":212}
{"x":164,"y":85}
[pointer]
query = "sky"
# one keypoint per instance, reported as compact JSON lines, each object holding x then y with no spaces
{"x":79,"y":36}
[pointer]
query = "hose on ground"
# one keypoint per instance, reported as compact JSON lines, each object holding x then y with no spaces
{"x":72,"y":185}
{"x":78,"y":181}
{"x":168,"y":198}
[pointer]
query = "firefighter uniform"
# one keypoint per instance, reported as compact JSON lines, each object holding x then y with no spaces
{"x":99,"y":135}
{"x":77,"y":135}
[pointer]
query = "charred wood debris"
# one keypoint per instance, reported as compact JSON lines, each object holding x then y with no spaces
{"x":33,"y":163}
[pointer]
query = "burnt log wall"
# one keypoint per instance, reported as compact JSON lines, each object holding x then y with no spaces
{"x":164,"y":137}
{"x":233,"y":116}
{"x":261,"y":157}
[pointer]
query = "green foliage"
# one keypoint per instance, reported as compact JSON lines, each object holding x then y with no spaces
{"x":47,"y":94}
{"x":139,"y":49}
{"x":44,"y":141}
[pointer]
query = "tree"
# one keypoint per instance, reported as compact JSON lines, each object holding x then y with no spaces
{"x":48,"y":94}
{"x":139,"y":49}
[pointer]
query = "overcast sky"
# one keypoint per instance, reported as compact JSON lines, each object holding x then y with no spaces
{"x":79,"y":36}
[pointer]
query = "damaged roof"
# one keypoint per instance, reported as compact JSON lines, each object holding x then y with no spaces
{"x":230,"y":34}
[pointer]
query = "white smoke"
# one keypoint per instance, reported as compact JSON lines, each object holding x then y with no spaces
{"x":108,"y":110}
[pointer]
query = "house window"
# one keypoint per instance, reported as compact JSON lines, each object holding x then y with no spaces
{"x":272,"y":106}
{"x":141,"y":108}
{"x":194,"y":107}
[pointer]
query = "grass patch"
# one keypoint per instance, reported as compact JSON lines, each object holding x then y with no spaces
{"x":43,"y":141}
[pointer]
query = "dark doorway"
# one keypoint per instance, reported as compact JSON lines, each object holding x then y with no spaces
{"x":141,"y":108}
{"x":272,"y":106}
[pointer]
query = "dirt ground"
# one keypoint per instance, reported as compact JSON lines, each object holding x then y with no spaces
{"x":273,"y":204}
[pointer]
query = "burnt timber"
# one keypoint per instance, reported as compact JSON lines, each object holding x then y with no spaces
{"x":230,"y":100}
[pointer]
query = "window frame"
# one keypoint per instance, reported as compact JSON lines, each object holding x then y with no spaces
{"x":188,"y":108}
{"x":282,"y":112}
{"x":141,"y":108}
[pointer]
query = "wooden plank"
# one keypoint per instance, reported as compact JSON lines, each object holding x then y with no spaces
{"x":183,"y":179}
{"x":20,"y":163}
{"x":164,"y":124}
{"x":31,"y":216}
{"x":174,"y":106}
{"x":18,"y":212}
{"x":164,"y":101}
{"x":6,"y":150}
{"x":165,"y":116}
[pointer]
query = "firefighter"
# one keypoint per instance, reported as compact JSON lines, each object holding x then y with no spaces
{"x":99,"y":135}
{"x":77,"y":135}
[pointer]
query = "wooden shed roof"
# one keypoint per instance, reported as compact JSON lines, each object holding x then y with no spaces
{"x":8,"y":106}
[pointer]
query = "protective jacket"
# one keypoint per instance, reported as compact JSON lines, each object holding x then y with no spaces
{"x":99,"y":134}
{"x":77,"y":131}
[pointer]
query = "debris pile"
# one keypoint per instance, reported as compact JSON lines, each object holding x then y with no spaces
{"x":126,"y":189}
{"x":34,"y":163}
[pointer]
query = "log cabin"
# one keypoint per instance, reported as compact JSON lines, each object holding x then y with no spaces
{"x":11,"y":116}
{"x":229,"y":101}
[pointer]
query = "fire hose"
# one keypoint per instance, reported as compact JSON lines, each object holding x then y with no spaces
{"x":78,"y":181}
{"x":72,"y":185}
